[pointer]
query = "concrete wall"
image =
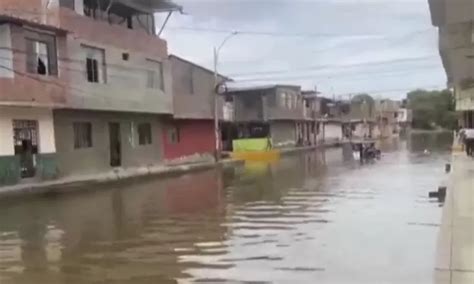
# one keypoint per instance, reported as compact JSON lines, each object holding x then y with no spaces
{"x":249,"y":107}
{"x":125,"y":88}
{"x":332,"y":132}
{"x":283,"y":133}
{"x":37,"y":11}
{"x":97,"y":158}
{"x":196,"y":137}
{"x":200,"y":103}
{"x":21,"y":88}
{"x":275,"y":107}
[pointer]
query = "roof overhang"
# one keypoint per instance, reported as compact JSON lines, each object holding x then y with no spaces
{"x":24,"y":22}
{"x":438,"y":12}
{"x":238,"y":87}
{"x":153,"y":6}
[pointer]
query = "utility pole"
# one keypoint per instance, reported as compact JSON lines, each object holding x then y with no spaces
{"x":217,"y":152}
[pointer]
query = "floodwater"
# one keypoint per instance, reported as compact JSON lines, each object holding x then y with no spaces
{"x":311,"y":218}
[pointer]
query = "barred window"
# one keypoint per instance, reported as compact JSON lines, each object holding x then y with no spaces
{"x":144,"y":134}
{"x":82,"y":135}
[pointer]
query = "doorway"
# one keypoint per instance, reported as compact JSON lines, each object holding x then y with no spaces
{"x":115,"y":145}
{"x":25,"y":139}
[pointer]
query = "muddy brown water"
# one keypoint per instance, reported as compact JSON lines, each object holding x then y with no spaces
{"x":311,"y":218}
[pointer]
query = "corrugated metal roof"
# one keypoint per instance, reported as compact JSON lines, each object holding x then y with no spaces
{"x":152,"y":5}
{"x":237,"y":87}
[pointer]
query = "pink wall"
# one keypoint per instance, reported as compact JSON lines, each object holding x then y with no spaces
{"x":196,"y":136}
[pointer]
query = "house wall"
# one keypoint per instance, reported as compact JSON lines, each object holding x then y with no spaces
{"x":332,"y":132}
{"x":126,"y":87}
{"x":46,"y":157}
{"x":126,"y":81}
{"x":97,"y":158}
{"x":249,"y":107}
{"x":275,"y":107}
{"x":283,"y":133}
{"x":196,"y":137}
{"x":21,"y":88}
{"x":200,"y":103}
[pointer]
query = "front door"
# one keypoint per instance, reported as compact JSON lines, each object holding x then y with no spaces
{"x":25,"y":136}
{"x":115,"y":145}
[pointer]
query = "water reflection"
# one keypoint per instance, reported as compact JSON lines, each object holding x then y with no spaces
{"x":309,"y":217}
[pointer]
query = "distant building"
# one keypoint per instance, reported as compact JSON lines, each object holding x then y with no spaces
{"x":387,"y":124}
{"x":361,"y":118}
{"x":404,"y":119}
{"x":274,"y":111}
{"x":331,"y":128}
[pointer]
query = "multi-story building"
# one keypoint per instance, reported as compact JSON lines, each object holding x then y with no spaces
{"x":404,"y":119}
{"x":192,"y":131}
{"x":270,"y":111}
{"x":330,"y":126}
{"x":361,"y":117}
{"x":386,"y":112}
{"x":454,"y":19}
{"x":84,"y":87}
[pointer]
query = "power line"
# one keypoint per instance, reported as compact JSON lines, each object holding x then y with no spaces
{"x":328,"y":66}
{"x":399,"y":73}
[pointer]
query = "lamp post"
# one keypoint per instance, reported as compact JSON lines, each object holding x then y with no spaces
{"x":217,"y":90}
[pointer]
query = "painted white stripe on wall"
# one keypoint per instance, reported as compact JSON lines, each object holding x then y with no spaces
{"x":6,"y":136}
{"x":45,"y":128}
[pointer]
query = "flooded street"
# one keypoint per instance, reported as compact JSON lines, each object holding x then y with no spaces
{"x":311,"y":218}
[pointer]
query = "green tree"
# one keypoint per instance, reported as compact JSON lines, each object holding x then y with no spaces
{"x":432,"y":109}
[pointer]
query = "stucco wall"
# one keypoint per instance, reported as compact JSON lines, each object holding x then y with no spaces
{"x":97,"y":158}
{"x":196,"y":137}
{"x":283,"y":133}
{"x":24,"y":88}
{"x":126,"y":81}
{"x":248,"y":107}
{"x":276,"y":110}
{"x":45,"y":128}
{"x":200,"y":103}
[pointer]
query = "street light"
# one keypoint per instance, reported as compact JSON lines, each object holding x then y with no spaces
{"x":216,"y":95}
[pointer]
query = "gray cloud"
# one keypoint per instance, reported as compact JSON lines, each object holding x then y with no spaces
{"x":338,"y":45}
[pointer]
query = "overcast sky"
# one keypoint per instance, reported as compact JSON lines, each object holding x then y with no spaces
{"x":384,"y":47}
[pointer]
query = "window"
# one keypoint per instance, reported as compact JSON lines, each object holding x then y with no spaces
{"x":95,"y":64}
{"x":82,"y":135}
{"x":173,"y":135}
{"x":129,"y":22}
{"x":155,"y":78}
{"x":41,"y":54}
{"x":283,"y":102}
{"x":92,"y":67}
{"x":144,"y":134}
